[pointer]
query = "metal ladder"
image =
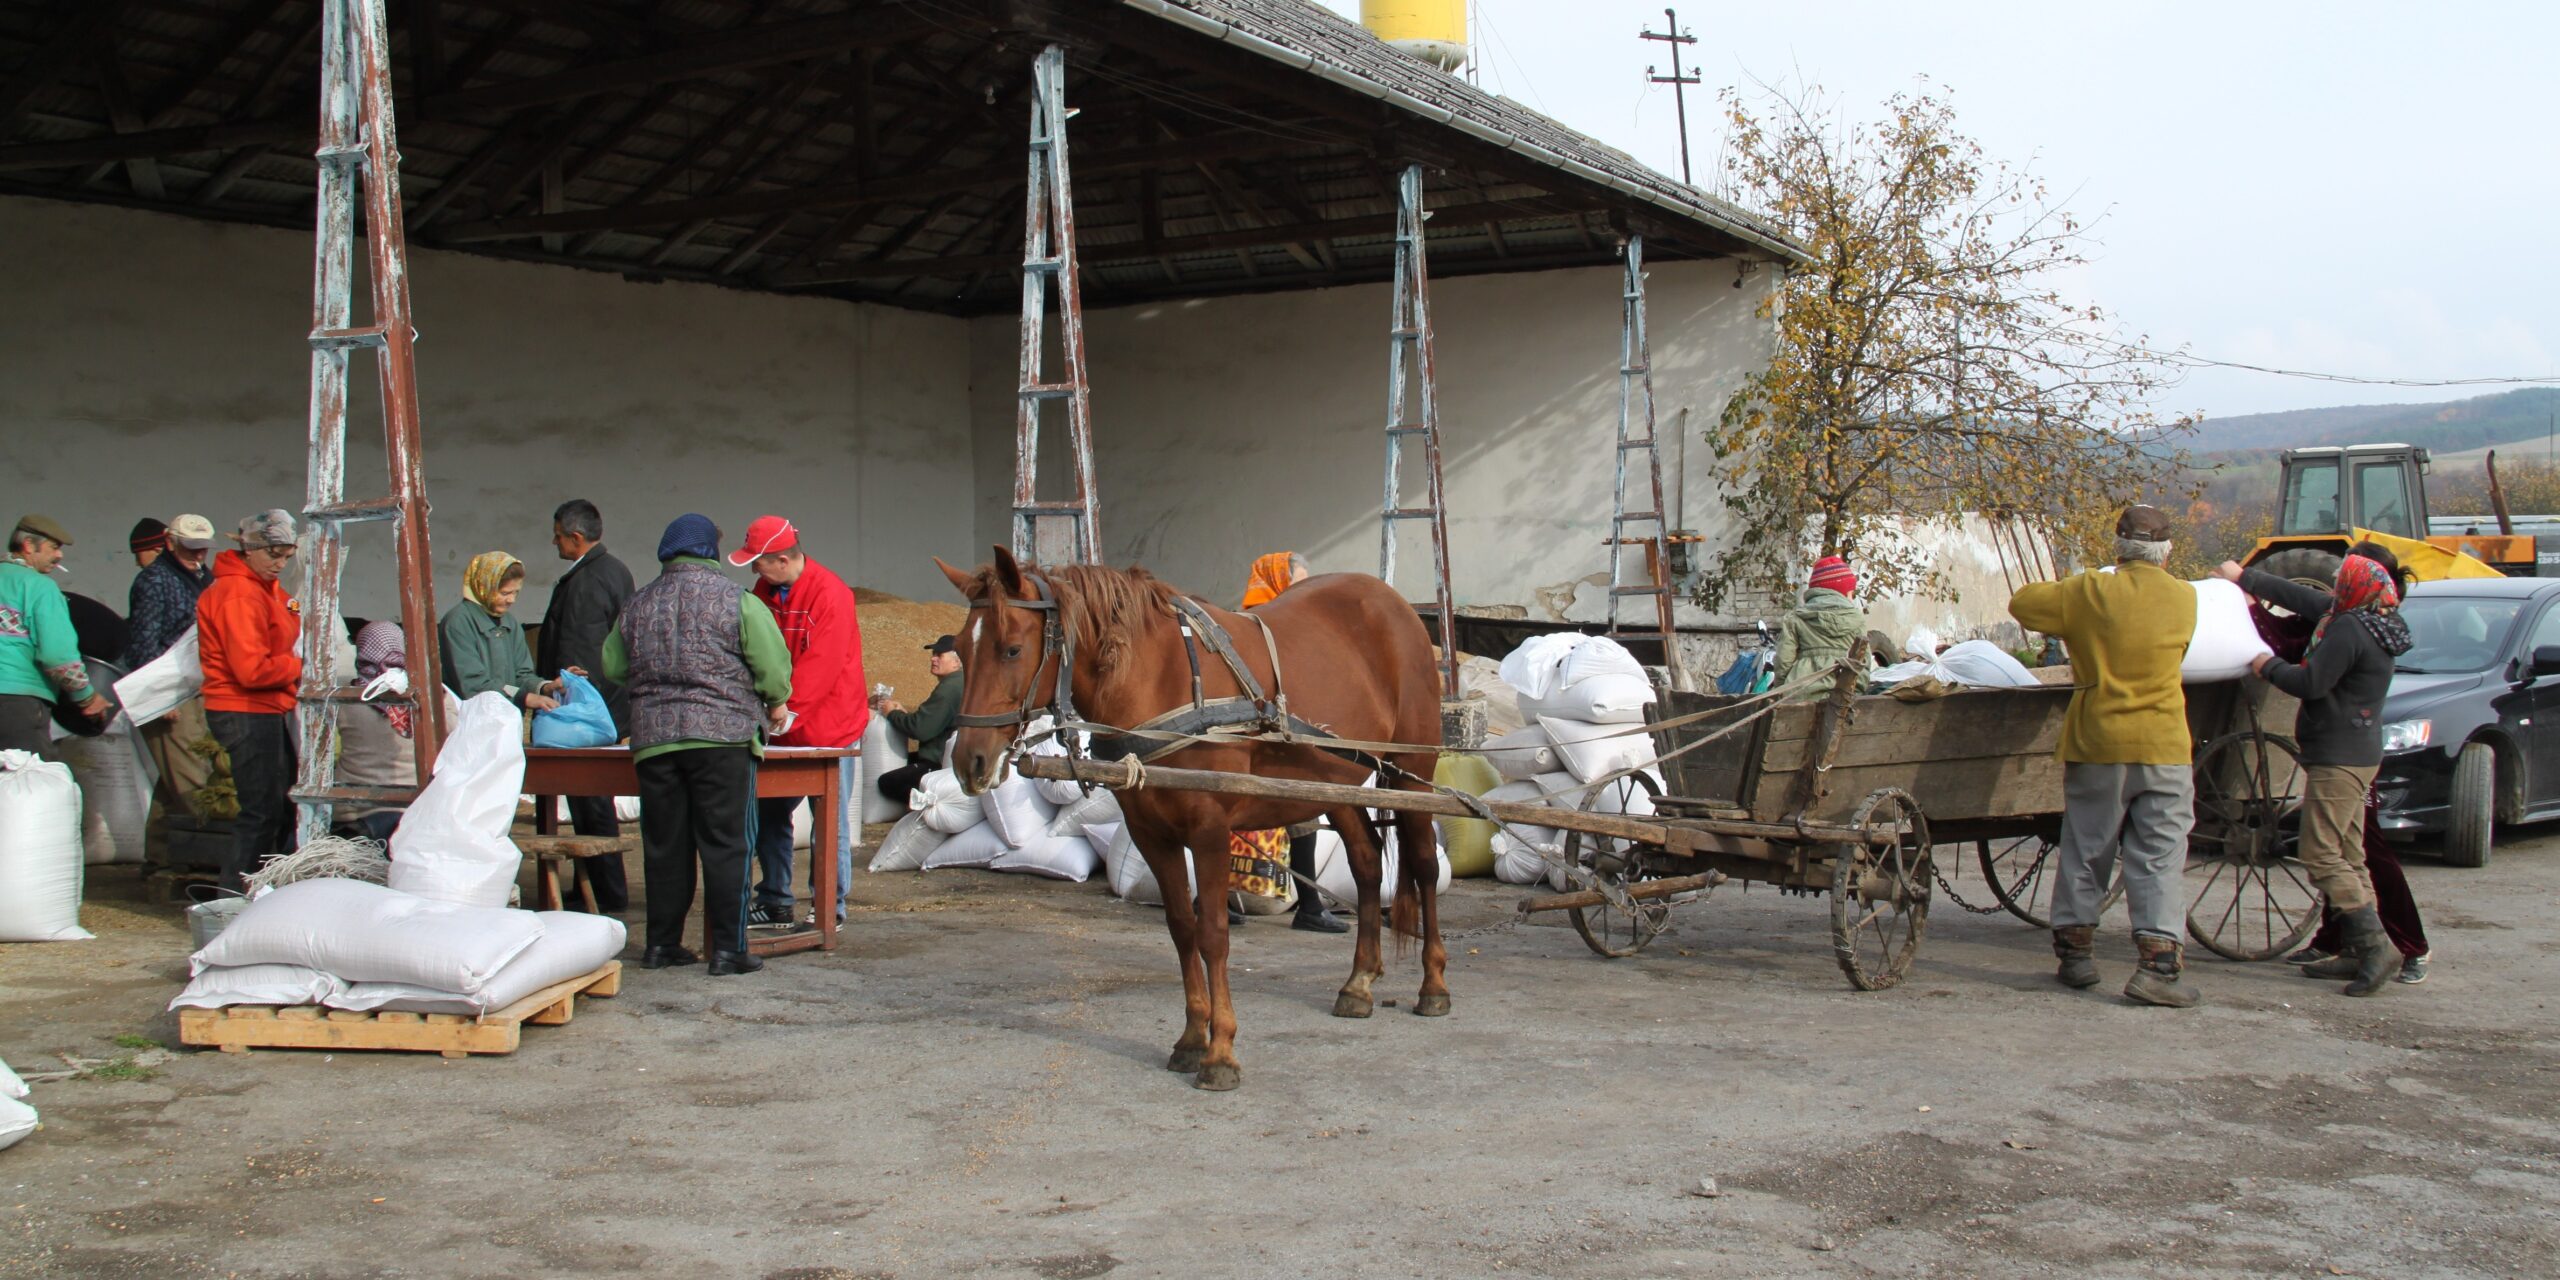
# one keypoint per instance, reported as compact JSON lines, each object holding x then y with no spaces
{"x":1049,"y":254}
{"x":1409,"y":361}
{"x":1635,"y":388}
{"x":359,"y":152}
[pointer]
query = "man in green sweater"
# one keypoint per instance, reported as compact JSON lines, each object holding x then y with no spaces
{"x":2127,"y":788}
{"x":708,"y":676}
{"x":39,"y":652}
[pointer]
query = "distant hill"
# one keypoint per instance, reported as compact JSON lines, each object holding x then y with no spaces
{"x":2452,"y":426}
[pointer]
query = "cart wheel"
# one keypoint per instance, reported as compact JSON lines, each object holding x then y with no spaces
{"x":2248,"y":898}
{"x":2022,"y":871}
{"x":1880,"y":892}
{"x":1609,"y":931}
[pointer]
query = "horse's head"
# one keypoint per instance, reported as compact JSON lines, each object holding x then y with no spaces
{"x":1011,"y":648}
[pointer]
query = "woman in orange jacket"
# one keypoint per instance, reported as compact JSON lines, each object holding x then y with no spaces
{"x":246,"y":629}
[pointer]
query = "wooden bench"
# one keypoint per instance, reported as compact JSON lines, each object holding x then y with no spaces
{"x":551,"y":854}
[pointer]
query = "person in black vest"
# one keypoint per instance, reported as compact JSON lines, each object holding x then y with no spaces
{"x":585,"y":603}
{"x":708,"y":677}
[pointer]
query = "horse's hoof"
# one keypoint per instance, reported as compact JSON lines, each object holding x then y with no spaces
{"x":1218,"y":1077}
{"x":1432,"y":1006}
{"x":1185,"y":1060}
{"x":1347,"y":1005}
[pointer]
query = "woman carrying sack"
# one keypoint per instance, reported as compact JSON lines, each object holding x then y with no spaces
{"x":484,"y":649}
{"x":2341,"y":681}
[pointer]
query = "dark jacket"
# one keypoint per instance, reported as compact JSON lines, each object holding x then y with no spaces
{"x":2341,"y":681}
{"x":160,"y":607}
{"x":931,"y":724}
{"x":584,"y":604}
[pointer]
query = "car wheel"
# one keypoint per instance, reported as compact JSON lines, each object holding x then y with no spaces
{"x":2472,"y":817}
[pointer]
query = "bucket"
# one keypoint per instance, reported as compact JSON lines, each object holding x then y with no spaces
{"x":206,"y":920}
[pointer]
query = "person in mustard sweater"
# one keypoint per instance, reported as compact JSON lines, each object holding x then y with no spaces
{"x":2127,"y":784}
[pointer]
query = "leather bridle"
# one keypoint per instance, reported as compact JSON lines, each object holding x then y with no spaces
{"x":1057,"y":645}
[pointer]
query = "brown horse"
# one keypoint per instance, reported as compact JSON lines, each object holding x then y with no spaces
{"x":1355,"y":661}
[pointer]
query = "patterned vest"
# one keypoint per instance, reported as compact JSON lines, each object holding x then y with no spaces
{"x":689,"y":676}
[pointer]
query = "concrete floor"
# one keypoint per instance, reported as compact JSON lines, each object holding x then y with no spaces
{"x":972,"y":1086}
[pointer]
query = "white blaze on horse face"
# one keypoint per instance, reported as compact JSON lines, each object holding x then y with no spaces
{"x":977,"y":631}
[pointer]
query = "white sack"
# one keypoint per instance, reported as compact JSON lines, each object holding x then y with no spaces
{"x":1055,"y":791}
{"x":1084,"y":812}
{"x":1134,"y":881}
{"x":115,"y":794}
{"x":2226,"y":637}
{"x":1521,"y":754}
{"x":1517,"y":859}
{"x":1612,"y":697}
{"x":626,"y":808}
{"x":157,"y":687}
{"x":979,"y":846}
{"x":1590,"y":750}
{"x":224,"y":985}
{"x":451,"y":844}
{"x":1985,"y":665}
{"x":1057,"y":857}
{"x":17,"y":1120}
{"x":1594,"y":658}
{"x":1535,"y":668}
{"x":907,"y":845}
{"x":883,"y":749}
{"x":1017,"y":810}
{"x":41,"y":863}
{"x":572,"y":943}
{"x":368,"y":933}
{"x":10,"y":1085}
{"x":946,"y":808}
{"x":1333,"y":870}
{"x":1106,"y":839}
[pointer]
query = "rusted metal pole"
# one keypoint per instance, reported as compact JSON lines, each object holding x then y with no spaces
{"x":1635,"y":395}
{"x":1049,"y":261}
{"x":1412,"y":372}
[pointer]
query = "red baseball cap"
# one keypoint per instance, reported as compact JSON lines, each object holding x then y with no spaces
{"x":767,"y":534}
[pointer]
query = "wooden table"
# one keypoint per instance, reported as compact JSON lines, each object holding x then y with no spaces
{"x":820,"y":773}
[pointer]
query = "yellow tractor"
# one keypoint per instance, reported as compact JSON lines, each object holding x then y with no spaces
{"x":2329,"y":499}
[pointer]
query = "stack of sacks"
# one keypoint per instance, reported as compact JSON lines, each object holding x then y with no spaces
{"x":351,"y":945}
{"x":1525,"y":854}
{"x":1579,"y":697}
{"x":1021,"y":824}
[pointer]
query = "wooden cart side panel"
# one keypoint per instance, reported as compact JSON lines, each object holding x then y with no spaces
{"x":1725,"y":770}
{"x":1980,"y":754}
{"x":1984,"y":787}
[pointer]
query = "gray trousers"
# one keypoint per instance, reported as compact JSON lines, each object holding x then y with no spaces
{"x":2141,"y":813}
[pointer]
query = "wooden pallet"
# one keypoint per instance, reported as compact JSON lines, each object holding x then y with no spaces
{"x":240,"y":1028}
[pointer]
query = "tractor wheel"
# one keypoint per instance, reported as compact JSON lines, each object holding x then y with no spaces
{"x":2310,"y":566}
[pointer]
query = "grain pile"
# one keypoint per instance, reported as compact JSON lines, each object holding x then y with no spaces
{"x":894,"y":633}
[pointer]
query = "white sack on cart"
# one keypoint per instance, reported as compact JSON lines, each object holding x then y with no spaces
{"x":1535,"y":669}
{"x":1595,"y":750}
{"x":1609,"y":698}
{"x":1521,"y":754}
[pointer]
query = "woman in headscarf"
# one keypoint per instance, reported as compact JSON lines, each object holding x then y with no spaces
{"x":483,"y":648}
{"x":2341,"y":681}
{"x":1255,"y":855}
{"x":373,"y":739}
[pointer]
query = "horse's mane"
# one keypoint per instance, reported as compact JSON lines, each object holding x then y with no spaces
{"x":1104,"y":608}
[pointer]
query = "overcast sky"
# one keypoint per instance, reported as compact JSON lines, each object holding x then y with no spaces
{"x":2363,"y":188}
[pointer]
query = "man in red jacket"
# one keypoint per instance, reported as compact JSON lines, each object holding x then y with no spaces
{"x":829,"y":704}
{"x":246,"y":627}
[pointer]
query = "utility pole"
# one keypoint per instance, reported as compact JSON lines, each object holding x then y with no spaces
{"x":1679,"y":83}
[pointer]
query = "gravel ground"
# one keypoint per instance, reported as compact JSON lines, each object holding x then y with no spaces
{"x":972,"y":1086}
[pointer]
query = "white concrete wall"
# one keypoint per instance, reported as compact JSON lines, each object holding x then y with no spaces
{"x":152,"y":364}
{"x":1227,"y":428}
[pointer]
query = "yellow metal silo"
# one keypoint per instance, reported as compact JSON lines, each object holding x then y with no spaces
{"x":1432,"y":30}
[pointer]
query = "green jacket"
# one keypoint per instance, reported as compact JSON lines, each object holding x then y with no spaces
{"x":39,"y":652}
{"x":768,"y":660}
{"x":931,"y":724}
{"x":1817,"y":636}
{"x":485,"y":654}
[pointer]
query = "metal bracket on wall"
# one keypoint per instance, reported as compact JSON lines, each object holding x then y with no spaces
{"x":1635,"y":397}
{"x":1049,"y":260}
{"x":359,"y":154}
{"x":1409,"y":365}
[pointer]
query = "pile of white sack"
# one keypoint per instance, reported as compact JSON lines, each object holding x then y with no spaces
{"x":346,"y":944}
{"x":17,"y":1119}
{"x":1036,"y":827}
{"x":1979,"y":664}
{"x":1579,"y":697}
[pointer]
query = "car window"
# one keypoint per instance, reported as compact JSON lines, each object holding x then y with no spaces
{"x":2546,"y":630}
{"x":2459,"y":633}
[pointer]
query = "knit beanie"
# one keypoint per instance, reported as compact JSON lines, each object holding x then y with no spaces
{"x":689,"y":535}
{"x":148,"y":535}
{"x":1831,"y":573}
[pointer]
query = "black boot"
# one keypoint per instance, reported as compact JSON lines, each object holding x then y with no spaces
{"x":661,"y":957}
{"x":1313,"y":915}
{"x":2377,"y":961}
{"x":725,"y":963}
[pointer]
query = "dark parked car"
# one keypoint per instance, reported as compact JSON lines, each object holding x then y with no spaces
{"x":2471,"y":732}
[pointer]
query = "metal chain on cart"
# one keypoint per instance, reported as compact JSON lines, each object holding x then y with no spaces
{"x":1957,"y":898}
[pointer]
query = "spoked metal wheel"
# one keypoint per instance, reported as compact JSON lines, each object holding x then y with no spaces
{"x":2022,"y":871}
{"x":2248,"y":898}
{"x":1608,"y":929}
{"x":1880,"y":892}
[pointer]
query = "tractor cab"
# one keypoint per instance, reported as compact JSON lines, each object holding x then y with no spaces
{"x":2332,"y":492}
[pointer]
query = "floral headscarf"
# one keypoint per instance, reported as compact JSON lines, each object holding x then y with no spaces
{"x":2365,"y":592}
{"x":1273,"y":574}
{"x":380,"y":647}
{"x":487,"y":573}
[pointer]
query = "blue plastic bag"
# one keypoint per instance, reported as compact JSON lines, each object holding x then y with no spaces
{"x":581,"y":720}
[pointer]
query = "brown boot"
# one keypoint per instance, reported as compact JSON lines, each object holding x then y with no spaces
{"x":2077,"y":948}
{"x":2156,"y":981}
{"x":2377,"y":962}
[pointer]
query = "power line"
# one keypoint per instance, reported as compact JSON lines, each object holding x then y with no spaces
{"x":2190,"y":361}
